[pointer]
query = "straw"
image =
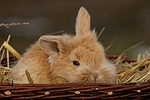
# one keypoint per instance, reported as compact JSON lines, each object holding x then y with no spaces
{"x":30,"y":80}
{"x":12,"y":50}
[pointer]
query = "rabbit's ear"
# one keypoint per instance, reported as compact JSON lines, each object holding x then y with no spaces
{"x":82,"y":22}
{"x":52,"y":45}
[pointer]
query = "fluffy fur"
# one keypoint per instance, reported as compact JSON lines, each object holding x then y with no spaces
{"x":51,"y":59}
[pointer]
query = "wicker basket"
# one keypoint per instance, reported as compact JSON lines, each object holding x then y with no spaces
{"x":75,"y":91}
{"x":127,"y":91}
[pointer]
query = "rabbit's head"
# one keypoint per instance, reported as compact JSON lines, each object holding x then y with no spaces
{"x":79,"y":58}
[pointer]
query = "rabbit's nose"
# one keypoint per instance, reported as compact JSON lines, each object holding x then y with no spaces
{"x":95,"y":76}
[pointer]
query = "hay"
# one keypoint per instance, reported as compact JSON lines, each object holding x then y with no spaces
{"x":13,"y":24}
{"x":135,"y":72}
{"x":5,"y":69}
{"x":129,"y":71}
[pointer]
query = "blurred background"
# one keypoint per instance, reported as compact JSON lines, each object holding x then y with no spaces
{"x":127,"y":22}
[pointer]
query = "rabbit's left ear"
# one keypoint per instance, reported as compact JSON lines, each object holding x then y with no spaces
{"x":82,"y":22}
{"x":52,"y":45}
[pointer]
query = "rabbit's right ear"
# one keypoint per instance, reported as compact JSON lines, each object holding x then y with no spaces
{"x":83,"y":22}
{"x":52,"y":45}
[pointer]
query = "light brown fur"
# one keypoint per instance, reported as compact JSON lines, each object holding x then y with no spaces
{"x":50,"y":60}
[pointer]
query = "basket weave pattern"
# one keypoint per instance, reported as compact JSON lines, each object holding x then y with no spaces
{"x":75,"y":91}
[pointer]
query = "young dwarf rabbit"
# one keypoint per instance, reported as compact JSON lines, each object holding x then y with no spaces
{"x":66,"y":59}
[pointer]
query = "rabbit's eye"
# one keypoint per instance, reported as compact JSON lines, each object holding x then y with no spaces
{"x":76,"y":63}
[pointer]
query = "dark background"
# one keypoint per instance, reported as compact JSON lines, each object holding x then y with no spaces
{"x":129,"y":20}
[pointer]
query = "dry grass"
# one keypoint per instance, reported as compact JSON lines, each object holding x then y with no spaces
{"x":5,"y":50}
{"x":138,"y":71}
{"x":128,"y":71}
{"x":13,"y":24}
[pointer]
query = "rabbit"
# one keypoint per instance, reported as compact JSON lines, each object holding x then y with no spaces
{"x":66,"y":58}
